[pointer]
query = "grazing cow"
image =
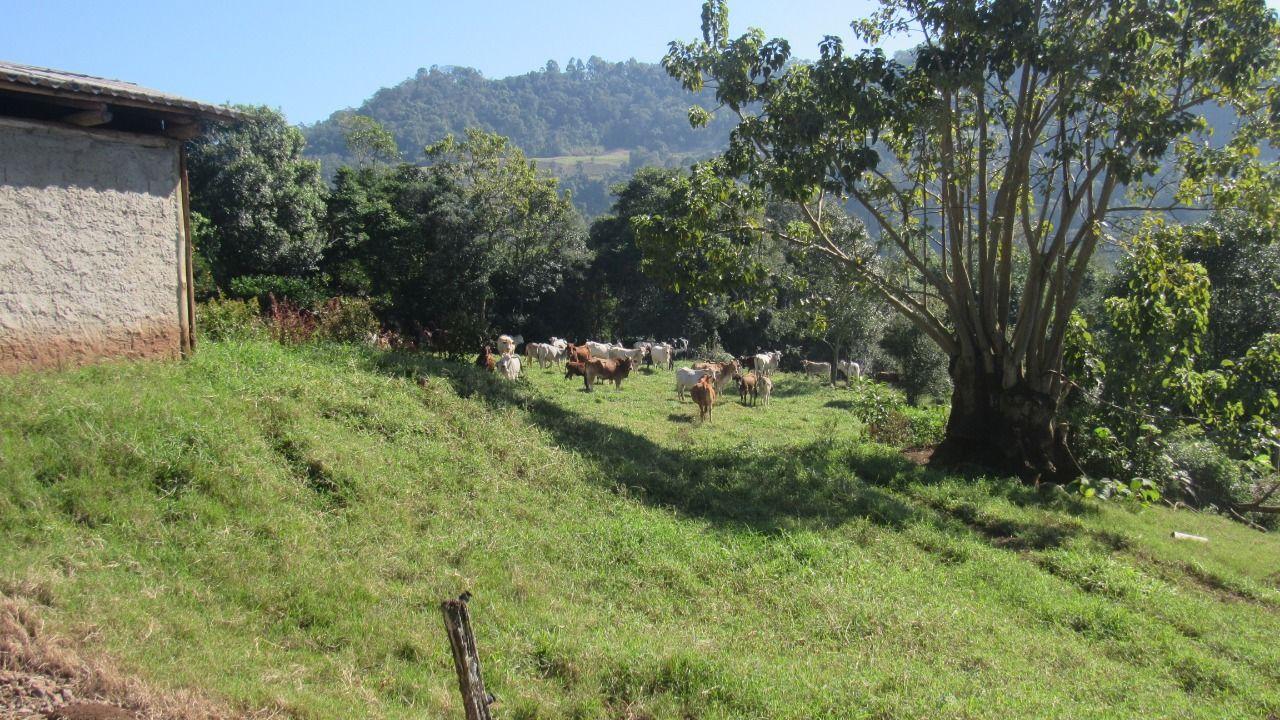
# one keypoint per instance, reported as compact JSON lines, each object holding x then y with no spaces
{"x":615,"y":370}
{"x":704,"y":393}
{"x":572,"y":368}
{"x":764,"y":387}
{"x":485,"y":359}
{"x":817,"y":369}
{"x":510,"y":365}
{"x":663,"y":355}
{"x":747,"y":387}
{"x":688,"y":377}
{"x":577,"y":353}
{"x":850,"y":369}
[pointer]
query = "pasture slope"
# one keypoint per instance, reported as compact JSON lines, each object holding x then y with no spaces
{"x":272,"y":528}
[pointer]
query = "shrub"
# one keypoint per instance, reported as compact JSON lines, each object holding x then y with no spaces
{"x":928,"y":424}
{"x":306,"y":293}
{"x":1211,"y":476}
{"x":229,"y":320}
{"x":346,"y":320}
{"x":922,"y":363}
{"x":289,"y":323}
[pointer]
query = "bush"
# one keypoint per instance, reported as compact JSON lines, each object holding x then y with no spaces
{"x":305,"y":293}
{"x":290,"y":323}
{"x":229,"y":320}
{"x":349,"y":320}
{"x":928,"y":424}
{"x":922,"y":363}
{"x":1210,"y":476}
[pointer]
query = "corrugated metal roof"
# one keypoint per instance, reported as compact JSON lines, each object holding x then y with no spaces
{"x":104,"y":90}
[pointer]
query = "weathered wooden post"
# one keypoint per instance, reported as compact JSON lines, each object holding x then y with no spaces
{"x":466,"y":661}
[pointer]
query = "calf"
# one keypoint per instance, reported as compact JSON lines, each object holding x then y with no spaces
{"x":615,"y":370}
{"x":572,"y":368}
{"x":510,"y":365}
{"x":764,"y":387}
{"x":485,"y":359}
{"x":704,"y":393}
{"x":747,"y":387}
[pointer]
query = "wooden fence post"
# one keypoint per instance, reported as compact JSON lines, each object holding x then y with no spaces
{"x":466,"y":661}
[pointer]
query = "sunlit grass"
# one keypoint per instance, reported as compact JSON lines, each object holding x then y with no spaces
{"x":276,"y":527}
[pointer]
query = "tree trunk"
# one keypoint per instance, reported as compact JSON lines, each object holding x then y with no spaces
{"x":1013,"y":430}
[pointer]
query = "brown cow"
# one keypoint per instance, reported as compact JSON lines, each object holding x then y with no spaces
{"x":486,"y":360}
{"x":615,"y":370}
{"x":574,"y":368}
{"x":577,"y":353}
{"x":747,"y":387}
{"x":704,"y":393}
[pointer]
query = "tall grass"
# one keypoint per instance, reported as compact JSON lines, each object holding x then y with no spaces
{"x":274,"y":528}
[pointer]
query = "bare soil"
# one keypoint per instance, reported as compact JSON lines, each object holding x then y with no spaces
{"x":43,"y":675}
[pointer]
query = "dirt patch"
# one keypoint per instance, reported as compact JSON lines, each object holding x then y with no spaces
{"x":43,"y":675}
{"x":918,"y":456}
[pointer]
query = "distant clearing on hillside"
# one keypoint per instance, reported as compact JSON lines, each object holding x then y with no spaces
{"x":593,"y":166}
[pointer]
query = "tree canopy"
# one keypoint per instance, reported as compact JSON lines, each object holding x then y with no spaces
{"x":1025,"y":126}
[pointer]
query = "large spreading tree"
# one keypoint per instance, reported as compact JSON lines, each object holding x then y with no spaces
{"x":1015,"y":127}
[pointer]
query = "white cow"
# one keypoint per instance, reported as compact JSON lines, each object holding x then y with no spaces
{"x":820,"y":370}
{"x":765,"y":364}
{"x":598,"y":349}
{"x":850,"y":369}
{"x":618,"y":352}
{"x":509,"y":366}
{"x":663,"y":355}
{"x":688,"y":377}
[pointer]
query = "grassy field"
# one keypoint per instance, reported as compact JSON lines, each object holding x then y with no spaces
{"x":275,"y":527}
{"x":594,"y":166}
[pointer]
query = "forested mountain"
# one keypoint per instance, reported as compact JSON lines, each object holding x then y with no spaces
{"x":585,"y":109}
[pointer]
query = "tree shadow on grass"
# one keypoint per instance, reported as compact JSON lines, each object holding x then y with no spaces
{"x":764,"y":488}
{"x":823,"y":482}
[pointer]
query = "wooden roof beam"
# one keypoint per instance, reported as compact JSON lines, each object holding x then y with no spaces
{"x":100,"y":115}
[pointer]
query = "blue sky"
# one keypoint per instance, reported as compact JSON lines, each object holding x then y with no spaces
{"x":311,"y":58}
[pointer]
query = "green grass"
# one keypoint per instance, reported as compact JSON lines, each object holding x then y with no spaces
{"x":275,"y":528}
{"x":594,"y":166}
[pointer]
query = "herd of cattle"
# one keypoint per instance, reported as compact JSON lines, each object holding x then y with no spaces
{"x":597,"y":362}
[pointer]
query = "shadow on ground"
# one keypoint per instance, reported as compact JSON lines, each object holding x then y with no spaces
{"x":823,"y":482}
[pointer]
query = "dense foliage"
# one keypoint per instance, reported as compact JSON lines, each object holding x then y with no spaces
{"x":583,"y":108}
{"x":1016,"y":127}
{"x":263,"y":201}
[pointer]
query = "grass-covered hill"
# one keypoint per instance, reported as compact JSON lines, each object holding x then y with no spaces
{"x":275,"y":527}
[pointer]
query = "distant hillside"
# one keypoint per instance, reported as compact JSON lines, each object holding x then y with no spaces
{"x":587,"y":109}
